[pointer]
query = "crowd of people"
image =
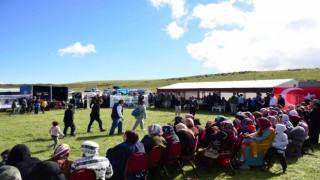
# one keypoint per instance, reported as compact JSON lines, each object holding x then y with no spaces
{"x":252,"y":137}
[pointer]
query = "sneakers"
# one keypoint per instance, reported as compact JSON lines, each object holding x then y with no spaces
{"x":102,"y":130}
{"x":73,"y":135}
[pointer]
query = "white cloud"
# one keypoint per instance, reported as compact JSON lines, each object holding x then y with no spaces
{"x":77,"y":49}
{"x":177,"y":7}
{"x":174,"y":30}
{"x":275,"y":35}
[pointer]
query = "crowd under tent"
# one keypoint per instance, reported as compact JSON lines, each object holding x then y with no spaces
{"x":201,"y":89}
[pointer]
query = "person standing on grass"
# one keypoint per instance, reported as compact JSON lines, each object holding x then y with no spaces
{"x":55,"y":133}
{"x":44,"y":104}
{"x":117,"y":117}
{"x":68,"y":120}
{"x":13,"y":107}
{"x":95,"y":115}
{"x":177,"y":106}
{"x":193,"y":105}
{"x":36,"y":106}
{"x":142,"y":116}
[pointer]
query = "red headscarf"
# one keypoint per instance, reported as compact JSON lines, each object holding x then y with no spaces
{"x":264,"y":124}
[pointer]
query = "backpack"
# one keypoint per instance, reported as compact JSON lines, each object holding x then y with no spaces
{"x":136,"y":112}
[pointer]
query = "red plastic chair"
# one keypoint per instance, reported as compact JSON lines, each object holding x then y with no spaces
{"x":82,"y":174}
{"x":154,"y":159}
{"x":190,"y":158}
{"x":137,"y":162}
{"x":155,"y":155}
{"x":173,"y":157}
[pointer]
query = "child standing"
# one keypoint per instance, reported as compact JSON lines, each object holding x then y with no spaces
{"x":278,"y":147}
{"x":55,"y":132}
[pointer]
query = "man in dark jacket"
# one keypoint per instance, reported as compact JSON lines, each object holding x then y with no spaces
{"x":314,"y":116}
{"x":117,"y":117}
{"x":95,"y":115}
{"x":68,"y":120}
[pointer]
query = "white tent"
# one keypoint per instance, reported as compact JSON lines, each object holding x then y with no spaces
{"x":228,"y":86}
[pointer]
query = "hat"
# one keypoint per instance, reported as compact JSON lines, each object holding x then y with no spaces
{"x":257,"y":114}
{"x":61,"y":152}
{"x":89,"y":148}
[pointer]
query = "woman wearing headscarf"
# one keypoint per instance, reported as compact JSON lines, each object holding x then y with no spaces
{"x":20,"y":157}
{"x":48,"y":170}
{"x":186,"y":138}
{"x":285,"y":120}
{"x":60,"y":156}
{"x":260,"y":142}
{"x":154,"y":138}
{"x":119,"y":155}
{"x":169,"y":135}
{"x":190,"y":125}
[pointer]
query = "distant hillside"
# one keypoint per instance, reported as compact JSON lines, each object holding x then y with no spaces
{"x":299,"y":74}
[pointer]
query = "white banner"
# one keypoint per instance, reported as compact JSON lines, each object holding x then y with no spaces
{"x":6,"y":100}
{"x":129,"y":101}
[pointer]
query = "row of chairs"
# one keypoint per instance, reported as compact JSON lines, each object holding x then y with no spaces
{"x":140,"y":161}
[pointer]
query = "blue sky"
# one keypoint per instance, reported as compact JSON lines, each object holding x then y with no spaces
{"x":59,"y":41}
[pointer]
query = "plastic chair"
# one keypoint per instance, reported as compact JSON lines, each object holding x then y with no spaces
{"x":190,"y":158}
{"x":138,"y":162}
{"x":82,"y":174}
{"x":154,"y":159}
{"x":173,"y":157}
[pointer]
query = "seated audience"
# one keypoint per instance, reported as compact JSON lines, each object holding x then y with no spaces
{"x":60,"y":156}
{"x":296,"y":138}
{"x":48,"y":170}
{"x":9,"y":173}
{"x":91,"y":160}
{"x":255,"y":146}
{"x":186,"y":138}
{"x":20,"y":157}
{"x":154,"y":138}
{"x":120,"y":154}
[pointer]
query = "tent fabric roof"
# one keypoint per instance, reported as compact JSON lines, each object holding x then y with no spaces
{"x":230,"y":85}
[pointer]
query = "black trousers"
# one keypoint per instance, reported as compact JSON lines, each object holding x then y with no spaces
{"x":281,"y":155}
{"x":92,"y":119}
{"x":192,"y":111}
{"x":67,"y":125}
{"x":314,"y":134}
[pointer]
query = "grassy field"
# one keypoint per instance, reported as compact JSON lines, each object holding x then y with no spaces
{"x":32,"y":130}
{"x":299,"y":74}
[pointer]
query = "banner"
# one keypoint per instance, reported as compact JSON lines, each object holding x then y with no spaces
{"x":6,"y":100}
{"x":296,"y":95}
{"x":129,"y":101}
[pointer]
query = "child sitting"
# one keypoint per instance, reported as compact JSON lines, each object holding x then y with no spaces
{"x":278,"y":147}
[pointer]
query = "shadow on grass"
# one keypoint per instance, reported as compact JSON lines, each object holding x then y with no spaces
{"x":91,"y":137}
{"x":38,"y":152}
{"x":39,"y":140}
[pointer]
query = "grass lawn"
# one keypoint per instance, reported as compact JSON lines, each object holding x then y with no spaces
{"x":32,"y":130}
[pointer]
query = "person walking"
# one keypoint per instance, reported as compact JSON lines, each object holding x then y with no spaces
{"x":95,"y":115}
{"x":142,"y":115}
{"x":68,"y":120}
{"x":13,"y":107}
{"x":55,"y":132}
{"x":117,"y":117}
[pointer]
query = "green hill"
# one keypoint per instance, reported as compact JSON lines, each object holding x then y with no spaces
{"x":299,"y":74}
